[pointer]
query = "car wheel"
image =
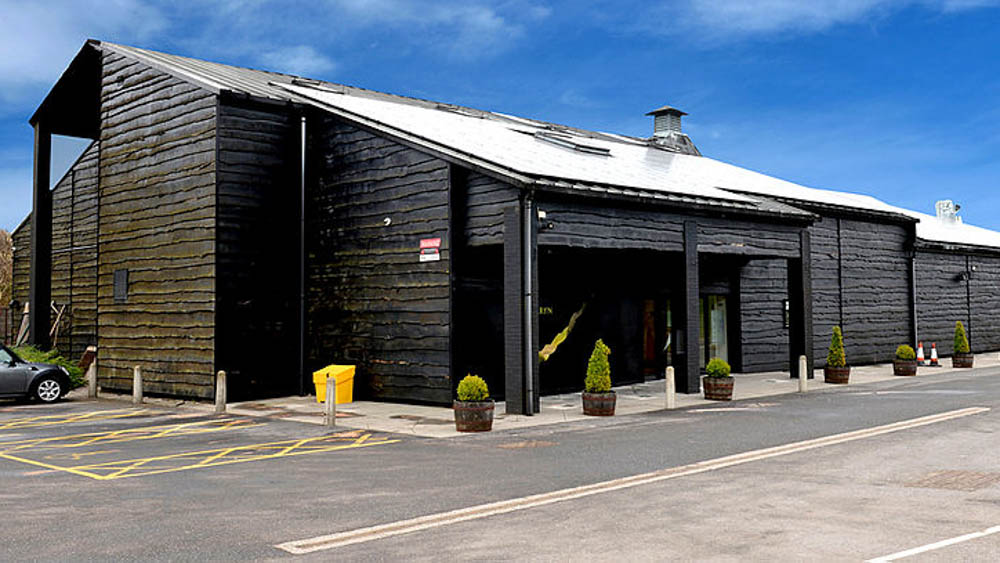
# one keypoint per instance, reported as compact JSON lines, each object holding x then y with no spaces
{"x":48,"y":389}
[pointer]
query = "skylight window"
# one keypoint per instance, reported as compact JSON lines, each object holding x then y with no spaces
{"x":316,"y":85}
{"x":568,"y":142}
{"x":460,"y":110}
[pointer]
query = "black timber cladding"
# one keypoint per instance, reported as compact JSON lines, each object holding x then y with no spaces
{"x":876,"y":288}
{"x":764,"y":337}
{"x":950,"y":290}
{"x":74,"y":254}
{"x":371,"y":301}
{"x":157,"y":220}
{"x":256,"y":257}
{"x":21,"y":238}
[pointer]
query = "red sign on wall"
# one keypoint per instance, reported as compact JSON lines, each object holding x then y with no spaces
{"x":430,"y":250}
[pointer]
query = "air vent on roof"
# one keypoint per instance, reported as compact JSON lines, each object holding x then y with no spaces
{"x":947,"y":211}
{"x":568,"y":142}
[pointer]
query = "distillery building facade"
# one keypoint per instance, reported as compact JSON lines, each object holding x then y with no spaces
{"x":264,"y":224}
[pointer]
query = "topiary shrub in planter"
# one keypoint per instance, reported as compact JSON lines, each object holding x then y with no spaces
{"x":598,"y":398}
{"x":905,"y":362}
{"x":836,"y":370}
{"x":717,"y":383}
{"x":473,"y":408}
{"x":961,"y":357}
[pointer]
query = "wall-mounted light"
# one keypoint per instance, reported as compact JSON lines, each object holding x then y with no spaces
{"x":544,"y":225}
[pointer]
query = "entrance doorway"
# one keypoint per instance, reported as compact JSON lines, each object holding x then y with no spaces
{"x":713,"y":329}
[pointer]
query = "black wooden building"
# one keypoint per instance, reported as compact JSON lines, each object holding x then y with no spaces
{"x":233,"y":219}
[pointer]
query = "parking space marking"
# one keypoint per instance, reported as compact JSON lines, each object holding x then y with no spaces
{"x":54,"y":419}
{"x":935,"y":545}
{"x":212,"y":458}
{"x":127,"y":435}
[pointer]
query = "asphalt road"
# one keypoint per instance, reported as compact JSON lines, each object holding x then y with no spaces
{"x":100,"y":481}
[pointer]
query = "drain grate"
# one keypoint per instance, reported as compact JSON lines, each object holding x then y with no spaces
{"x":956,"y":480}
{"x":526,"y":444}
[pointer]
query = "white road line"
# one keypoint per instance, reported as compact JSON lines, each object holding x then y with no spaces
{"x":381,"y":531}
{"x":935,"y":545}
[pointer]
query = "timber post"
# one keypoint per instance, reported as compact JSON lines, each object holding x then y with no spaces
{"x":331,"y":402}
{"x":220,"y":392}
{"x":688,"y":349}
{"x":92,"y":380}
{"x":513,"y":312}
{"x":800,"y":329}
{"x":40,"y":289}
{"x":671,"y":391}
{"x":803,"y":375}
{"x":137,"y":385}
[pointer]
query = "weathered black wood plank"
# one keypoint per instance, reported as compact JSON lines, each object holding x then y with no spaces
{"x":368,"y":288}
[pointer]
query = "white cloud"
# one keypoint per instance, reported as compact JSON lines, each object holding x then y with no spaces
{"x":301,"y":60}
{"x":735,"y":19}
{"x":463,"y":29}
{"x":39,"y":39}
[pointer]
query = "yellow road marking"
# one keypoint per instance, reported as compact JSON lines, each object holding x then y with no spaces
{"x":127,"y":435}
{"x":212,"y":458}
{"x":52,"y":419}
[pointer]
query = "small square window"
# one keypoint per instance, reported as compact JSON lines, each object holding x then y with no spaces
{"x":121,"y":286}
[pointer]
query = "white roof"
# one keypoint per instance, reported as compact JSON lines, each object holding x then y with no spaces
{"x":930,"y":228}
{"x":531,"y":148}
{"x":539,"y":149}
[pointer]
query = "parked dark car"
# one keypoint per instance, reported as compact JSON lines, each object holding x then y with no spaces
{"x":18,"y":378}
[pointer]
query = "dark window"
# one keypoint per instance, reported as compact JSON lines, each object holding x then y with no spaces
{"x":121,"y":286}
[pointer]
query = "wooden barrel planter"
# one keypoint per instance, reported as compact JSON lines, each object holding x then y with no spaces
{"x":718,"y":388}
{"x":838,"y":375}
{"x":960,"y":360}
{"x":904,"y":367}
{"x":599,"y":404}
{"x":473,"y":416}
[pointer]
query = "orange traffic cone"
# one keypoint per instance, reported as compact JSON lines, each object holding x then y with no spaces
{"x":934,"y":358}
{"x":920,"y":354}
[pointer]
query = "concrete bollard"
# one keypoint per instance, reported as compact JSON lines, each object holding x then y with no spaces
{"x":92,"y":379}
{"x":220,"y":393}
{"x":331,"y":402}
{"x":803,"y":376}
{"x":671,"y":392}
{"x":137,"y":385}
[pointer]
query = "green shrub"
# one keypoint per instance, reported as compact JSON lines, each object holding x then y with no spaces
{"x":472,"y":388}
{"x":961,"y":341}
{"x":836,"y":358}
{"x":598,"y":370}
{"x":32,"y":354}
{"x":717,"y":367}
{"x":905,"y":352}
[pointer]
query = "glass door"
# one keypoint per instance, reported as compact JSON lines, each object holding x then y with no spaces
{"x":713,"y":330}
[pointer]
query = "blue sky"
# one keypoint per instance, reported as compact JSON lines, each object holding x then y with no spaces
{"x":893,"y":98}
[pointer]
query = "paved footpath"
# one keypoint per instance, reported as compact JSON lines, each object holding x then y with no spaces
{"x":853,"y":478}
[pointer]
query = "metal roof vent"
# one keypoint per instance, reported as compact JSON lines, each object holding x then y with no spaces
{"x":666,"y":121}
{"x":947,"y":211}
{"x":667,"y":132}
